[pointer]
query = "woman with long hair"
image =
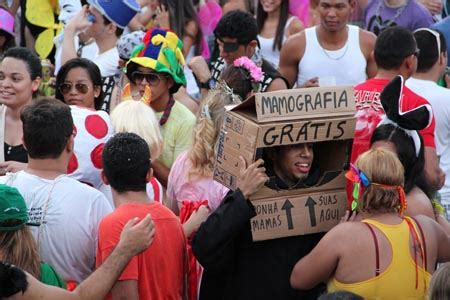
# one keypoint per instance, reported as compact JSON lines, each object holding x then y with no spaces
{"x":394,"y":255}
{"x":275,"y":25}
{"x":20,"y":77}
{"x":17,"y":244}
{"x":191,"y":175}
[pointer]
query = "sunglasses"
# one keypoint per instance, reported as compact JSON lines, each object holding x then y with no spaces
{"x":151,"y":78}
{"x":436,"y":35}
{"x":228,"y":46}
{"x":66,"y":87}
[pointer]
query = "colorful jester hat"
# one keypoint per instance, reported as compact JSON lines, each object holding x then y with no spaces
{"x":161,"y":51}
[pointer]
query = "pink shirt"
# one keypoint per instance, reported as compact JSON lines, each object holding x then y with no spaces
{"x":204,"y":188}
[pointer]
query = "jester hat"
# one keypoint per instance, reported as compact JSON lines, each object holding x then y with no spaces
{"x":161,"y":51}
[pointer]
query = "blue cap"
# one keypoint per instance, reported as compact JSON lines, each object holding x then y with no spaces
{"x":119,"y":12}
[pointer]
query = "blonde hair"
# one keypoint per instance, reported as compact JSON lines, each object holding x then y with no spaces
{"x":383,"y":168}
{"x":139,"y":118}
{"x":440,"y":283}
{"x":19,"y":248}
{"x":206,"y":131}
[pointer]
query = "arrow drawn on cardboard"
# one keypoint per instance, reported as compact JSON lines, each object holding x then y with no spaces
{"x":287,"y":206}
{"x":310,"y":203}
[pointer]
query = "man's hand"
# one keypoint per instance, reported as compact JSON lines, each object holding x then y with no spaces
{"x":251,"y":179}
{"x":136,"y":237}
{"x":162,"y":19}
{"x":200,"y":68}
{"x":80,"y":21}
{"x":313,"y":82}
{"x":11,"y":166}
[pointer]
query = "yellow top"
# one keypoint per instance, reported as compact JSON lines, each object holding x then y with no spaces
{"x":398,"y":281}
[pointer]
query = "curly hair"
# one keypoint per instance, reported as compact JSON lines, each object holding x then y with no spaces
{"x":232,"y":25}
{"x":382,"y":167}
{"x":206,"y":132}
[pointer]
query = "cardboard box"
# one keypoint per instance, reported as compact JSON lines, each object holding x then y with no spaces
{"x":324,"y":116}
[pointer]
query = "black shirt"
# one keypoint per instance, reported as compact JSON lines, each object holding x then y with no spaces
{"x":16,"y":153}
{"x":236,"y":268}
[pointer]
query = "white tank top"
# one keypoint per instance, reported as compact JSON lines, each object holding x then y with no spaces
{"x":266,"y":44}
{"x":345,"y":66}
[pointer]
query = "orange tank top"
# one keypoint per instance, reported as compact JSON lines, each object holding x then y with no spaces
{"x":403,"y":278}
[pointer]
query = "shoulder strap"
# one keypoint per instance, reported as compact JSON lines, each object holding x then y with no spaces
{"x":377,"y":250}
{"x":422,"y":238}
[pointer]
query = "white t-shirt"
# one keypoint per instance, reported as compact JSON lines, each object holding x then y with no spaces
{"x":108,"y":62}
{"x":439,"y":99}
{"x":70,"y":213}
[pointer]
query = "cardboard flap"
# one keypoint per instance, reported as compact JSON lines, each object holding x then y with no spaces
{"x":248,"y":104}
{"x":305,"y":103}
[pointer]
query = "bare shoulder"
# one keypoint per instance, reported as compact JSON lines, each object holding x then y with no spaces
{"x":294,"y":47}
{"x":296,"y":26}
{"x":419,"y":203}
{"x":367,"y":40}
{"x":347,"y":231}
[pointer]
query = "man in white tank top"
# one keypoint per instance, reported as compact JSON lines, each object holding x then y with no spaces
{"x":332,"y":53}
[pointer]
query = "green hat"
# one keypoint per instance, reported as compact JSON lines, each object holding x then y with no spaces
{"x":12,"y":207}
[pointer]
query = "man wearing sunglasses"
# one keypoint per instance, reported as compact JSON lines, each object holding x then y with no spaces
{"x":236,"y":36}
{"x":431,"y":65}
{"x":160,"y":66}
{"x":396,"y":54}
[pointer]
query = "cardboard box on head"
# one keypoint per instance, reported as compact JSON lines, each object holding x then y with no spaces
{"x":323,"y":116}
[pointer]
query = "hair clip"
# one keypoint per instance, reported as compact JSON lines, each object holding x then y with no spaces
{"x":255,"y":72}
{"x":205,"y":111}
{"x":358,"y":178}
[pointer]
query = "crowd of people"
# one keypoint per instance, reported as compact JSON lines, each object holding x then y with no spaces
{"x":109,"y":119}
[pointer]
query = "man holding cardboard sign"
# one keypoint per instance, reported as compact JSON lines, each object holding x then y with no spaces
{"x":236,"y":267}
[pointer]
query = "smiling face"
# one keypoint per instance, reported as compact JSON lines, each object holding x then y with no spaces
{"x":68,"y":9}
{"x":270,"y":5}
{"x":293,"y":162}
{"x":16,"y":85}
{"x":82,"y":91}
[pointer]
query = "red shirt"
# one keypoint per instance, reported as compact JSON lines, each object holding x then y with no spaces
{"x":369,"y":113}
{"x":160,"y":269}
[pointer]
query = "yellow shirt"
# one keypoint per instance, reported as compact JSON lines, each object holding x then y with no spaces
{"x":398,"y":281}
{"x":177,"y":133}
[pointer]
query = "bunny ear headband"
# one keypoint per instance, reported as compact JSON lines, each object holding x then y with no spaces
{"x":411,"y":120}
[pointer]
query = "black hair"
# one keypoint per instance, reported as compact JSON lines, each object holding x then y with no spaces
{"x":261,"y":17}
{"x":28,"y":57}
{"x":238,"y":25}
{"x":126,"y":162}
{"x":180,"y":13}
{"x":94,"y":76}
{"x":427,"y":44}
{"x":47,"y":127}
{"x":12,"y":280}
{"x":119,"y":30}
{"x":392,"y":46}
{"x":237,"y":80}
{"x":406,"y":152}
{"x":10,"y":41}
{"x":340,"y":295}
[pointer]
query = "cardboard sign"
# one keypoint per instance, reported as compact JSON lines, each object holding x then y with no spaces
{"x":324,"y":117}
{"x":303,"y":103}
{"x":297,"y":215}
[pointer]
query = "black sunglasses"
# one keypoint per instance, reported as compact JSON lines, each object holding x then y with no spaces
{"x":229,"y":46}
{"x":66,"y":87}
{"x":151,"y":78}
